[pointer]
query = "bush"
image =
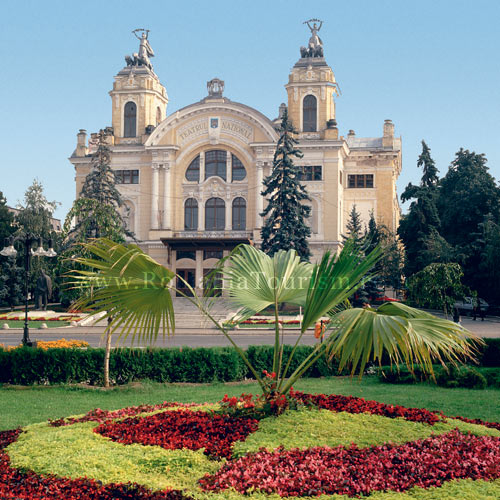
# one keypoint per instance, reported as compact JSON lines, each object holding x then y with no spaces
{"x":463,"y":376}
{"x":490,"y":353}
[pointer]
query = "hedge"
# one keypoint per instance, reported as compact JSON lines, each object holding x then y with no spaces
{"x":26,"y":366}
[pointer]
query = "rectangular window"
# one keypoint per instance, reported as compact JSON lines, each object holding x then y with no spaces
{"x":186,"y":254}
{"x":127,"y":176}
{"x":212,"y":254}
{"x":311,"y":173}
{"x":360,"y":181}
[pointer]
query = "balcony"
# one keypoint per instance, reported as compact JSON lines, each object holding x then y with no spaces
{"x":203,"y":239}
{"x":213,"y":234}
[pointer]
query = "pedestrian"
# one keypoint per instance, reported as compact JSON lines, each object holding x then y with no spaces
{"x":456,"y":315}
{"x":481,"y":310}
{"x":475,"y":305}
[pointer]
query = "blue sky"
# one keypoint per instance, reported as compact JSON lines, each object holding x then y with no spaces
{"x":430,"y":66}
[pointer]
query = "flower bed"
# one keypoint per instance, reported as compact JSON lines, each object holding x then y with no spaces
{"x":53,"y":344}
{"x":337,"y":445}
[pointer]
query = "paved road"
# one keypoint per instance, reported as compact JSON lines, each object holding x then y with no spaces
{"x":203,"y":337}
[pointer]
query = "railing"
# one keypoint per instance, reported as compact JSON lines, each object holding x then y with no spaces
{"x":213,"y":234}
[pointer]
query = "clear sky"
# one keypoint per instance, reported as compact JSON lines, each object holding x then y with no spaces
{"x":430,"y":66}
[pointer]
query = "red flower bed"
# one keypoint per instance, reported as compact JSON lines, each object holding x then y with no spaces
{"x":491,"y":425}
{"x":352,"y":404}
{"x":174,"y":430}
{"x":17,"y":485}
{"x":99,"y":415}
{"x":353,"y":471}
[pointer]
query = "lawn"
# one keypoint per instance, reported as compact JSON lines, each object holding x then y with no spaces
{"x":26,"y":405}
{"x":34,"y":324}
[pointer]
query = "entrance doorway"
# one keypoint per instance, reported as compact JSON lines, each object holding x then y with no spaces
{"x":212,"y":283}
{"x":188,"y":275}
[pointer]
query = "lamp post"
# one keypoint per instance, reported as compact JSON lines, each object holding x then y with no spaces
{"x":10,"y":251}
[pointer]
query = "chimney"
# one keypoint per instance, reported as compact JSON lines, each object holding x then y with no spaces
{"x":388,"y":139}
{"x":81,"y":143}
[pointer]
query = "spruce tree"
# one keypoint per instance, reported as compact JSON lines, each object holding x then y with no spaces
{"x":285,"y":214}
{"x":419,"y":227}
{"x":430,"y":172}
{"x":355,"y":230}
{"x":100,"y":183}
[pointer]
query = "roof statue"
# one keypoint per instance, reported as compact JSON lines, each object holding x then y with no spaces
{"x":315,"y":46}
{"x":145,"y":51}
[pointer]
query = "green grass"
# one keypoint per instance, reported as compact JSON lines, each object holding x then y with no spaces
{"x":308,"y":428}
{"x":21,"y":406}
{"x":34,"y":324}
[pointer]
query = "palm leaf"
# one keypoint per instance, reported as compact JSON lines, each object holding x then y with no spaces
{"x":255,"y":280}
{"x":129,"y":286}
{"x":403,"y":333}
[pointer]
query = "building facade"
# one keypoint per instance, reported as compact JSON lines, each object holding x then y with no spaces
{"x":192,"y":180}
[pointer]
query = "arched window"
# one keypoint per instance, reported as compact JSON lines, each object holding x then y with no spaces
{"x":309,"y":114}
{"x":191,"y":214}
{"x":193,"y":171}
{"x":130,"y":119}
{"x":158,"y":115}
{"x":239,"y":172}
{"x":239,"y":214}
{"x":215,"y":214}
{"x":215,"y":163}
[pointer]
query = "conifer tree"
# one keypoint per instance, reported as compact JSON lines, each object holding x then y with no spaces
{"x":420,"y":226}
{"x":355,"y":230}
{"x":285,"y":226}
{"x":11,"y":275}
{"x":430,"y":172}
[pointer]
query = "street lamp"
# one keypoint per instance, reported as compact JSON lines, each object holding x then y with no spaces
{"x":10,"y":251}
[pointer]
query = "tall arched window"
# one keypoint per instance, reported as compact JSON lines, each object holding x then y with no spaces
{"x":309,"y":114}
{"x":130,"y":119}
{"x":191,"y":214}
{"x":158,"y":115}
{"x":239,"y":172}
{"x":193,"y":171}
{"x":215,"y":163}
{"x":239,"y":214}
{"x":215,"y":214}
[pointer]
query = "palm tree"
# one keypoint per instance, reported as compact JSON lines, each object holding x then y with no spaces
{"x":135,"y":293}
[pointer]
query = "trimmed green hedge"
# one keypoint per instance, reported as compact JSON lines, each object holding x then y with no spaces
{"x":26,"y":366}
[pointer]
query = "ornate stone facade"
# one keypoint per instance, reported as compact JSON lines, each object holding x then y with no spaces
{"x":192,"y":180}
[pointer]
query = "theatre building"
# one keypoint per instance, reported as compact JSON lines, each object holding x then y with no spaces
{"x":192,"y":180}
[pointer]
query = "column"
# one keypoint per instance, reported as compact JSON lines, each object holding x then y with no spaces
{"x":229,"y":221}
{"x":201,"y":214}
{"x":202,"y":166}
{"x":167,"y":209}
{"x":229,"y":167}
{"x":154,"y":195}
{"x":199,"y":270}
{"x":259,"y":201}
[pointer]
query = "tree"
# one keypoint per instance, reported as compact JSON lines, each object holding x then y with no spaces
{"x":430,"y":176}
{"x":467,"y":194}
{"x":135,"y":292}
{"x":438,"y":286}
{"x":285,"y":227}
{"x":100,"y":183}
{"x":34,"y":217}
{"x":11,"y":275}
{"x":355,"y":230}
{"x":96,"y":213}
{"x":422,"y":222}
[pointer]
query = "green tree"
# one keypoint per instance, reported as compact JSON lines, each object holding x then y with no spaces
{"x":437,"y":286}
{"x":34,"y":217}
{"x":11,"y":275}
{"x":96,"y":213}
{"x":467,"y":194}
{"x":284,"y":227}
{"x":421,"y":224}
{"x":135,"y":291}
